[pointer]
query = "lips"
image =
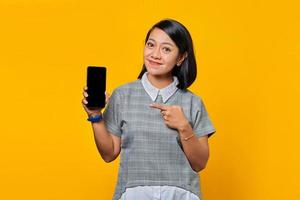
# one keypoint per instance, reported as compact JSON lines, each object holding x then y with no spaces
{"x":153,"y":62}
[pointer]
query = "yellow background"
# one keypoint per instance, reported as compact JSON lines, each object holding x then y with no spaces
{"x":248,"y":59}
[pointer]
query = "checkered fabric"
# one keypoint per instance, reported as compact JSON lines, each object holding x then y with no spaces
{"x":151,"y":152}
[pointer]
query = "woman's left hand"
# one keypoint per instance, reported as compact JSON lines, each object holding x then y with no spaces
{"x":173,"y":115}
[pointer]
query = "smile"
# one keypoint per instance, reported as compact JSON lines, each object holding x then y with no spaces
{"x":154,"y":63}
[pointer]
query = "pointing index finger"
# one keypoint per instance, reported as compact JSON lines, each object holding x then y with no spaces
{"x":158,"y":106}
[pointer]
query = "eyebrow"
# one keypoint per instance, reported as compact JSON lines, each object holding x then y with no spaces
{"x":162,"y":42}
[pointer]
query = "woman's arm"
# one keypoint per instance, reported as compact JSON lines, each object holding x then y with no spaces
{"x":196,"y":150}
{"x":107,"y":143}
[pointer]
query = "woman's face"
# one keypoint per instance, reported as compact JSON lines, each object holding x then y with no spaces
{"x":160,"y":53}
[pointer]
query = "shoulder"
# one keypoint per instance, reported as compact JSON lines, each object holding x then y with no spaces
{"x":127,"y":88}
{"x":189,"y":96}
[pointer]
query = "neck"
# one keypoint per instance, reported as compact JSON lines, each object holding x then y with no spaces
{"x":160,"y":81}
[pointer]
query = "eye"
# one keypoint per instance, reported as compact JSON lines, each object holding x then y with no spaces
{"x":149,"y":44}
{"x":166,"y":49}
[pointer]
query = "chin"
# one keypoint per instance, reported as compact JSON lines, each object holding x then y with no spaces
{"x":156,"y":73}
{"x":153,"y":71}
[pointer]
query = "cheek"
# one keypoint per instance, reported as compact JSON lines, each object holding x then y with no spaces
{"x":171,"y":60}
{"x":147,"y":52}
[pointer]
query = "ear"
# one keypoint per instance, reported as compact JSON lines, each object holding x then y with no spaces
{"x":181,"y":58}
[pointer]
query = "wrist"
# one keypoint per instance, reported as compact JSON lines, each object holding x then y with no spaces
{"x":95,"y":117}
{"x":94,"y":113}
{"x":185,"y":129}
{"x":186,"y":132}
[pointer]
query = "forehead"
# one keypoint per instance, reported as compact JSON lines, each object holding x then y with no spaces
{"x":160,"y":36}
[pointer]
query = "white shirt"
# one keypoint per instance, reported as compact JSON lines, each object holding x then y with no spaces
{"x":157,"y":193}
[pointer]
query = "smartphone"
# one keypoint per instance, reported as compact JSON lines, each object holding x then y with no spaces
{"x":96,"y":83}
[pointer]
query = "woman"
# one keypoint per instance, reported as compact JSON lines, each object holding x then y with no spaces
{"x":160,"y":127}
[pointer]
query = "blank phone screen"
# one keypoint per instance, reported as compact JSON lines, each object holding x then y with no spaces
{"x":96,"y":83}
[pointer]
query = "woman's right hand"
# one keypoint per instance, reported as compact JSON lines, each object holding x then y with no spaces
{"x":84,"y":103}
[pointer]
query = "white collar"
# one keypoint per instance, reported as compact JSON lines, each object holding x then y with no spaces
{"x":153,"y":92}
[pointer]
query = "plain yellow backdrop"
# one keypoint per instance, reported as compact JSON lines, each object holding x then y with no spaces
{"x":248,"y":76}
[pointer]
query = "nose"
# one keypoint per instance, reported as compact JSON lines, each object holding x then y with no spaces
{"x":156,"y":53}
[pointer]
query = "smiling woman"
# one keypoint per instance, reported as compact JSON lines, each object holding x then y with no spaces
{"x":169,"y":45}
{"x":161,"y":53}
{"x":159,"y":127}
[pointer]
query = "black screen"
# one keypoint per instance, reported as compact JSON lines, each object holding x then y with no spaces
{"x":96,"y":83}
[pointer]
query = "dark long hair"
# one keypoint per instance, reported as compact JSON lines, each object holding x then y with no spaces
{"x":187,"y":71}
